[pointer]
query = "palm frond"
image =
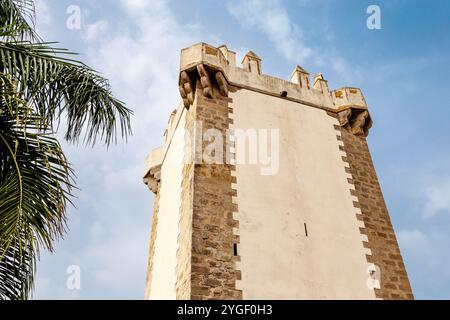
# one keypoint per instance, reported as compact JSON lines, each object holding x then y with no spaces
{"x":56,"y":85}
{"x":18,"y":16}
{"x":17,"y":266}
{"x":35,"y":186}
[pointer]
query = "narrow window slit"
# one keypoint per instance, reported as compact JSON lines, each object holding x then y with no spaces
{"x":235,"y":249}
{"x":306,"y":229}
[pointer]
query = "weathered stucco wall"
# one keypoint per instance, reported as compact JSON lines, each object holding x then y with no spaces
{"x":163,"y":278}
{"x":278,"y":259}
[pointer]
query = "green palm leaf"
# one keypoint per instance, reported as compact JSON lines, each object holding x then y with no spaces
{"x":35,"y":185}
{"x":40,"y":86}
{"x":57,"y":86}
{"x":18,"y":16}
{"x":17,"y":271}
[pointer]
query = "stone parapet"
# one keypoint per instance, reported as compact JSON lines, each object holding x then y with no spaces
{"x":247,"y":77}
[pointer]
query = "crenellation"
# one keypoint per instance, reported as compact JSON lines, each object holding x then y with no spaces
{"x":252,"y":63}
{"x":321,"y":84}
{"x":223,"y":60}
{"x":301,"y":77}
{"x":229,"y":55}
{"x":348,"y":96}
{"x":298,"y":88}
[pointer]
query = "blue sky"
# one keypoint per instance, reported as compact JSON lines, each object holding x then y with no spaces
{"x":403,"y":70}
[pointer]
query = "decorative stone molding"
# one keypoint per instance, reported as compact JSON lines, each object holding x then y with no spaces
{"x":206,"y":74}
{"x":222,"y":83}
{"x":356,"y":120}
{"x":205,"y":81}
{"x":186,"y":89}
{"x":343,"y":117}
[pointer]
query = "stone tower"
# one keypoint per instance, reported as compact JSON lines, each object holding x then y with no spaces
{"x":265,"y":189}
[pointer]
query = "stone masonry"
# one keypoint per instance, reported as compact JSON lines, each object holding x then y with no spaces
{"x":212,"y":262}
{"x":378,"y":228}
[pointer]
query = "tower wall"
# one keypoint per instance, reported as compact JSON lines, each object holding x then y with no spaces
{"x":316,"y":228}
{"x":166,"y":229}
{"x":299,"y":233}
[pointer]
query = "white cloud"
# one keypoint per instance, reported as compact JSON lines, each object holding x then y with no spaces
{"x":96,"y":30}
{"x":413,"y":239}
{"x":138,"y":5}
{"x":43,"y":11}
{"x":142,"y":62}
{"x":270,"y":17}
{"x":425,"y":252}
{"x":437,"y":199}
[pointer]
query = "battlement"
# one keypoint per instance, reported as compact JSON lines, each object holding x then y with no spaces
{"x":348,"y":97}
{"x":221,"y":63}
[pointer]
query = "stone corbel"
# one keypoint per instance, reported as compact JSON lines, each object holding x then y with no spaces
{"x":186,"y":89}
{"x":222,"y":82}
{"x":153,"y":178}
{"x":357,"y":120}
{"x":205,"y":80}
{"x":205,"y":74}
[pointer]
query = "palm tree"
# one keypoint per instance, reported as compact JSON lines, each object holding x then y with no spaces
{"x":41,"y":86}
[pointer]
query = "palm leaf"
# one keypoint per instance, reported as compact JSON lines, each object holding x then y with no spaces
{"x":57,"y":86}
{"x":35,"y":186}
{"x":17,"y":268}
{"x":18,"y":16}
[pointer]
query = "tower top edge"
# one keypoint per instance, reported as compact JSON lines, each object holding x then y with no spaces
{"x":249,"y":75}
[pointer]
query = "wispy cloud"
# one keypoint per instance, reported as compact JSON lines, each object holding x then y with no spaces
{"x":95,"y":30}
{"x":414,"y":239}
{"x":425,"y":251}
{"x":437,"y":199}
{"x":288,"y":38}
{"x":272,"y":19}
{"x":43,"y":11}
